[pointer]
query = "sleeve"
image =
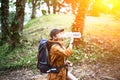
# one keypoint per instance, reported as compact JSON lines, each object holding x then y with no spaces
{"x":57,"y":50}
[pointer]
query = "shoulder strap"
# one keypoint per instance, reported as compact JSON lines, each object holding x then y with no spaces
{"x":47,"y":55}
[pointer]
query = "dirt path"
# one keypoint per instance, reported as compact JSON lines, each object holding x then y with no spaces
{"x":83,"y":71}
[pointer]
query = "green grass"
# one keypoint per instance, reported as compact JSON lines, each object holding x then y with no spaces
{"x":40,"y":27}
{"x":101,"y":37}
{"x":18,"y":58}
{"x":26,"y":55}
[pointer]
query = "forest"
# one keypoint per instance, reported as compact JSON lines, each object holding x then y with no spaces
{"x":23,"y":23}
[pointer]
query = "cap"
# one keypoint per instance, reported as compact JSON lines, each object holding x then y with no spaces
{"x":55,"y":31}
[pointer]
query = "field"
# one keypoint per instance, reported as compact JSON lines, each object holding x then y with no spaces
{"x":97,"y":60}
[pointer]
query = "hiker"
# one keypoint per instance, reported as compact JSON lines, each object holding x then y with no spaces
{"x":58,"y":55}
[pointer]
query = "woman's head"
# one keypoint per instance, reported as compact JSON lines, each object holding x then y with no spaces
{"x":56,"y":34}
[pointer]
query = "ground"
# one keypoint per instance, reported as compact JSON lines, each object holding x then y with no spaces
{"x":102,"y":31}
{"x":82,"y":71}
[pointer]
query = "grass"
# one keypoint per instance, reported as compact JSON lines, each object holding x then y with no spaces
{"x":18,"y":58}
{"x":40,"y":27}
{"x":101,"y":37}
{"x":26,"y":55}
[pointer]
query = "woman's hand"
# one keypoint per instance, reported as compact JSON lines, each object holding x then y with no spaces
{"x":68,"y":63}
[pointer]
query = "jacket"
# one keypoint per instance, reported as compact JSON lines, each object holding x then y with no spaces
{"x":58,"y":55}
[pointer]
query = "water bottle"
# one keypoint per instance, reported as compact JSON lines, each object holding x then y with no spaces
{"x":74,"y":34}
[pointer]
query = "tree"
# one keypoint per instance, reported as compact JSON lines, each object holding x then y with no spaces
{"x":48,"y":5}
{"x":73,"y":4}
{"x":78,"y":25}
{"x":55,"y":4}
{"x":35,"y":3}
{"x":17,"y":24}
{"x":4,"y":19}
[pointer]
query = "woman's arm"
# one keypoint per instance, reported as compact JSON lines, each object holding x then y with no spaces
{"x":58,"y":50}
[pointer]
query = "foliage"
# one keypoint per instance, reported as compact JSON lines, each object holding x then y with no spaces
{"x":19,"y":57}
{"x":44,"y":12}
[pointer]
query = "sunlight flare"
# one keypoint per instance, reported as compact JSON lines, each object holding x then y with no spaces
{"x":110,"y":6}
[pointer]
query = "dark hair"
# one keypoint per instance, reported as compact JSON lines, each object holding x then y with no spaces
{"x":55,"y":31}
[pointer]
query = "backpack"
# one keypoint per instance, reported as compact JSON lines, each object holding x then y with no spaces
{"x":43,"y":63}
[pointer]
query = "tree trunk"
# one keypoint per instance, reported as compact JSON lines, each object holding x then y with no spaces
{"x":54,"y":3}
{"x":73,"y":5}
{"x":34,"y":2}
{"x":4,"y":20}
{"x":17,"y":24}
{"x":48,"y":5}
{"x":78,"y":25}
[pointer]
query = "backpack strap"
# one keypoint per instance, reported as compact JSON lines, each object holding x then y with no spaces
{"x":47,"y":55}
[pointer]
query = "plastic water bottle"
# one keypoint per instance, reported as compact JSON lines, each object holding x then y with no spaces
{"x":74,"y":34}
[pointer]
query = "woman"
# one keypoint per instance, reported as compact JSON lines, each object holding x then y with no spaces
{"x":58,"y":55}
